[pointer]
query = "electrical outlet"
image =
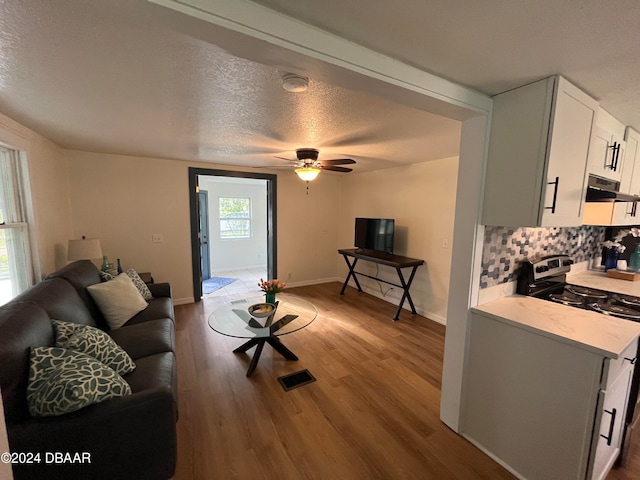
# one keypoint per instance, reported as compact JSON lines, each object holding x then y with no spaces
{"x":289,"y":276}
{"x":157,"y":238}
{"x":445,"y":243}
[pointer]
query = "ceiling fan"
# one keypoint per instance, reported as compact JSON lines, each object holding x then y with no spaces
{"x":308,"y":166}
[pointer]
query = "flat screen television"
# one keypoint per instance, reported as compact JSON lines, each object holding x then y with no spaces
{"x":375,"y":234}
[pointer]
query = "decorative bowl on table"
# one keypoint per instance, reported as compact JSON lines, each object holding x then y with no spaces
{"x":261,"y":310}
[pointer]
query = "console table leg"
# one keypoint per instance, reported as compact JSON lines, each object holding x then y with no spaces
{"x":406,"y":294}
{"x":352,"y":273}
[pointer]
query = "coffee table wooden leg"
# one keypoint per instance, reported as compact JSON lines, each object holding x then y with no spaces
{"x":256,"y":356}
{"x":281,"y":349}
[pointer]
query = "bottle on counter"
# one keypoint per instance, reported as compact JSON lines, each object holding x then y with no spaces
{"x":634,"y":260}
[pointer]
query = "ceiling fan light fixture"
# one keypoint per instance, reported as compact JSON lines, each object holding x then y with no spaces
{"x":295,"y":83}
{"x":307,"y":174}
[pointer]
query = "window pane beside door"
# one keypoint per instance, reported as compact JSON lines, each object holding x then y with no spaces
{"x":235,"y":217}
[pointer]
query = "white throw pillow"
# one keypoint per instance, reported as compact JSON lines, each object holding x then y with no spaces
{"x":118,"y":300}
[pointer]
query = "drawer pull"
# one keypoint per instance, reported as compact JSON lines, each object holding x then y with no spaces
{"x":632,"y":361}
{"x":611,"y":426}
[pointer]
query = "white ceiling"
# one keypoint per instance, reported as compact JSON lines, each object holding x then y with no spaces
{"x":129,"y":77}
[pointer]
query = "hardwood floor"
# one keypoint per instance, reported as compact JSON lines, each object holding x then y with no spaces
{"x":373,"y":412}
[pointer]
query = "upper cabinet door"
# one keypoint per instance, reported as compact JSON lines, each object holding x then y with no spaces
{"x":607,"y":151}
{"x":573,"y":119}
{"x":630,"y":182}
{"x":537,"y":158}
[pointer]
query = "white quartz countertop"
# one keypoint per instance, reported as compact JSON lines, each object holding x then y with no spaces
{"x":602,"y":334}
{"x":600,"y":281}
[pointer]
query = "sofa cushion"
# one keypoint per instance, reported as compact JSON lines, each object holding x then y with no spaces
{"x":80,"y":275}
{"x":22,"y":325}
{"x":60,"y":300}
{"x":146,"y":338}
{"x":158,"y":308}
{"x":63,"y":381}
{"x":95,"y":343}
{"x":155,"y":371}
{"x":118,"y":300}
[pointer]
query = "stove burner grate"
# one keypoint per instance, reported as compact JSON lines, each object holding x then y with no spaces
{"x":627,"y":300}
{"x":616,"y":310}
{"x":566,"y":299}
{"x":586,"y":292}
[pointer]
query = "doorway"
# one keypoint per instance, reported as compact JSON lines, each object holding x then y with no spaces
{"x":233,"y":223}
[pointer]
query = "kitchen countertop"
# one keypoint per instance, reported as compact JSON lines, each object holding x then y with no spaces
{"x":596,"y":332}
{"x":600,"y":281}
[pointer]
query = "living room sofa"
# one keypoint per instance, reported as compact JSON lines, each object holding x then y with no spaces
{"x":127,"y":437}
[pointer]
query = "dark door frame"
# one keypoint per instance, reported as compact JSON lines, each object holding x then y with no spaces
{"x":272,"y":209}
{"x":205,"y":253}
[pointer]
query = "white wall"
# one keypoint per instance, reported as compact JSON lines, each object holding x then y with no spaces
{"x":244,"y":252}
{"x":48,"y":175}
{"x":421,"y":199}
{"x":123,"y":200}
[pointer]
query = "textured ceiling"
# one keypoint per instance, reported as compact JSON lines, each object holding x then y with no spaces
{"x":496,"y":45}
{"x":115,"y":76}
{"x":132,"y":77}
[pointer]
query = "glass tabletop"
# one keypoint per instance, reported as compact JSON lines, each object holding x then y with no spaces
{"x":232,"y":318}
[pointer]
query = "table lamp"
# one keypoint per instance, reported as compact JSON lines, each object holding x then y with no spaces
{"x":84,"y":249}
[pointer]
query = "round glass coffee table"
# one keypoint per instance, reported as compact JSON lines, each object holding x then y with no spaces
{"x":233,"y":320}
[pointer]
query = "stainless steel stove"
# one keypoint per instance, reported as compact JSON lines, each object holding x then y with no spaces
{"x":546,"y":278}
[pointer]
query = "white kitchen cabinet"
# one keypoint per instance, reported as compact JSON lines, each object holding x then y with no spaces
{"x":538,"y":405}
{"x":630,"y":182}
{"x":610,"y":416}
{"x":607,"y":149}
{"x":537,"y":158}
{"x":611,"y":213}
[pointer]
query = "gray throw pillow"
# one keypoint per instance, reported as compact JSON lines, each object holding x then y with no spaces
{"x":63,"y":381}
{"x":94,"y":342}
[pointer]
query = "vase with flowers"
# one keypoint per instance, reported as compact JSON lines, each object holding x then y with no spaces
{"x":270,"y":288}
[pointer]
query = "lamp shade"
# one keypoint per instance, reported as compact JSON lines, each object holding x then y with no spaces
{"x":84,"y":249}
{"x":307,"y":173}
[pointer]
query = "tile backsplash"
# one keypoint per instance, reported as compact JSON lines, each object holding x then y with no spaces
{"x":506,"y":247}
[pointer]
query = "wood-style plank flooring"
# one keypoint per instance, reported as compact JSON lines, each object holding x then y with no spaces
{"x":373,"y":412}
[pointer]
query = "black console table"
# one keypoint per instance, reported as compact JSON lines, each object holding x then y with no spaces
{"x":395,"y":261}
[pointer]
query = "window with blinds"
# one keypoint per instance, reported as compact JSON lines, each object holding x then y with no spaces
{"x":16,"y":272}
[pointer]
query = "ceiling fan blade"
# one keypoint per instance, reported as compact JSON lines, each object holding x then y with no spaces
{"x":274,"y":166}
{"x":287,"y":159}
{"x":338,"y":161}
{"x":336,"y":169}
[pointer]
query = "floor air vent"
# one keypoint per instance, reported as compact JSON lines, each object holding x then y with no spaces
{"x":296,"y":379}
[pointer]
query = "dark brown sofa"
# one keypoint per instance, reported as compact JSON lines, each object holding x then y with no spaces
{"x":130,"y":437}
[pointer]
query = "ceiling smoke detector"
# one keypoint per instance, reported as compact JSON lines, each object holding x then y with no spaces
{"x":295,"y":83}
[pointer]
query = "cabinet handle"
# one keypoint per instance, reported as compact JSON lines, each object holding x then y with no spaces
{"x":615,"y":151}
{"x":632,"y":361}
{"x":555,"y":195}
{"x":611,"y":426}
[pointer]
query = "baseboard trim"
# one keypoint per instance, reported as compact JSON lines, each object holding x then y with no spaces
{"x":311,"y":282}
{"x":376,"y":293}
{"x":430,"y":315}
{"x":183,"y":301}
